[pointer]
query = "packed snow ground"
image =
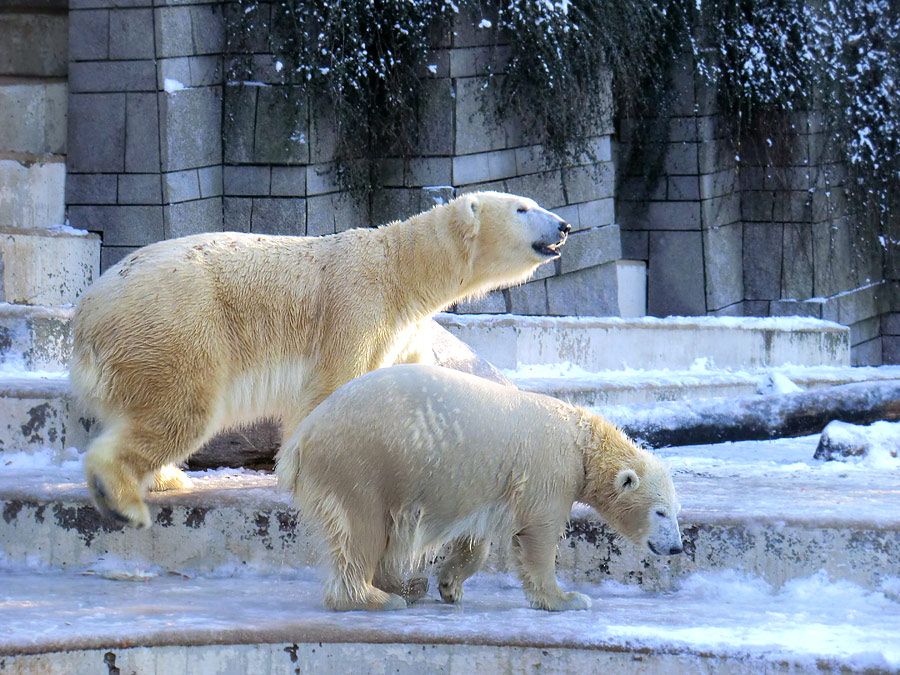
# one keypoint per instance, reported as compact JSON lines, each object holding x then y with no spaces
{"x":805,"y":621}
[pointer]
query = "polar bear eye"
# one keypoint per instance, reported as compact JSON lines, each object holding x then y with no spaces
{"x":661,"y":513}
{"x":522,"y":209}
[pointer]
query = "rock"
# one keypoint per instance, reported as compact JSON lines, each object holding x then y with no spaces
{"x":840,"y":441}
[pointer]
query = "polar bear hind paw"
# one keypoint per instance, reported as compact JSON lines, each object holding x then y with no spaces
{"x":170,"y":477}
{"x":136,"y":516}
{"x":414,"y":589}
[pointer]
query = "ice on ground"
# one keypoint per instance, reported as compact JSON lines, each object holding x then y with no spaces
{"x":807,"y":621}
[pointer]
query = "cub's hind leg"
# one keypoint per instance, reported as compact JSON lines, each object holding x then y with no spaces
{"x":466,"y":558}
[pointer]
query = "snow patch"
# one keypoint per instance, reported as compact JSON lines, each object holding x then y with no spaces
{"x":171,"y":86}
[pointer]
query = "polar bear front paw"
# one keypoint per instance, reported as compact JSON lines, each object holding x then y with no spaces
{"x":570,"y":600}
{"x":450,"y":589}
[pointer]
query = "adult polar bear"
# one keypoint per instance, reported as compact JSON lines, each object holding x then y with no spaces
{"x":401,"y":460}
{"x":190,"y":336}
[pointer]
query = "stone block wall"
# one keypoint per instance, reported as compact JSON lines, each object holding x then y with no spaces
{"x":145,"y":111}
{"x":165,"y":141}
{"x":754,"y":227}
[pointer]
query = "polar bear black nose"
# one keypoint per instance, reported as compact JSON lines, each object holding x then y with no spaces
{"x":675,"y":550}
{"x":565,"y":227}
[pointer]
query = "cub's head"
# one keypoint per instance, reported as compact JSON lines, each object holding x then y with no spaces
{"x":508,"y":236}
{"x":632,"y":490}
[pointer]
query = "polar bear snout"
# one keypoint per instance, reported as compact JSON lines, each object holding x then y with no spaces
{"x":665,"y":535}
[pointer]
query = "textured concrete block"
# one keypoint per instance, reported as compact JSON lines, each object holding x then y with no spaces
{"x":112,"y":76}
{"x":93,"y":117}
{"x":141,"y":133}
{"x":323,"y":135}
{"x":429,"y":172}
{"x":762,"y":256}
{"x":120,"y":225}
{"x":867,"y":353}
{"x":473,"y":26}
{"x":797,"y":270}
{"x":720,"y":211}
{"x":110,"y":255}
{"x":88,"y":35}
{"x":279,"y":216}
{"x":281,"y":130}
{"x":173,"y":32}
{"x":236,"y":214}
{"x":722,"y":254}
{"x":206,"y":71}
{"x":660,"y":215}
{"x":288,"y":181}
{"x":210,"y":179}
{"x":714,"y":156}
{"x":890,"y":350}
{"x":246,"y":180}
{"x":239,"y":131}
{"x":719,"y":184}
{"x":475,"y":131}
{"x":635,"y":245}
{"x":393,"y":204}
{"x":472,"y":61}
{"x":590,"y":248}
{"x":792,"y":206}
{"x":139,"y":188}
{"x":33,"y":45}
{"x":201,"y":215}
{"x":33,"y":117}
{"x":758,"y":205}
{"x":131,"y":34}
{"x":890,"y":323}
{"x":833,"y":255}
{"x":336,"y":212}
{"x":588,"y":292}
{"x":680,"y":159}
{"x":191,"y":129}
{"x":178,"y":69}
{"x":588,"y":183}
{"x":675,"y":284}
{"x":322,"y":178}
{"x":181,"y":186}
{"x":865,"y":330}
{"x":494,"y":302}
{"x":208,"y":28}
{"x":544,"y":188}
{"x":45,"y":267}
{"x":32,"y":195}
{"x":595,"y":214}
{"x":683,"y":188}
{"x":483,"y":167}
{"x":530,"y":298}
{"x":436,"y":119}
{"x":91,"y":188}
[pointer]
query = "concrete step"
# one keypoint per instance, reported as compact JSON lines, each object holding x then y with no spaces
{"x":35,"y":338}
{"x":36,"y":415}
{"x":47,"y":266}
{"x":675,"y":343}
{"x":650,"y":386}
{"x":765,"y":509}
{"x":32,"y":193}
{"x":33,"y":111}
{"x":96,"y":620}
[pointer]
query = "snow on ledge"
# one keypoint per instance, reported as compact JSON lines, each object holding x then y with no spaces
{"x":778,"y":323}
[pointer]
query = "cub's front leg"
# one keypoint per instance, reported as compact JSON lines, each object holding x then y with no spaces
{"x":535,"y":548}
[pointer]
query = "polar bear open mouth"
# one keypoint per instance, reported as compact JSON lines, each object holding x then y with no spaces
{"x":549,"y":250}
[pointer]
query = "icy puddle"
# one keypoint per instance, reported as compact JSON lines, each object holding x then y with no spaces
{"x":806,"y":621}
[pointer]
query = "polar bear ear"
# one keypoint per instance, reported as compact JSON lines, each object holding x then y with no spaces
{"x":627,"y":479}
{"x":470,"y":215}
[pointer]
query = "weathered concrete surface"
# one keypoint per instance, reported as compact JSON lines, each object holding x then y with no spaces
{"x":36,"y":414}
{"x":32,"y":194}
{"x":36,"y":338}
{"x":241,"y":521}
{"x":510,"y":341}
{"x":315,"y":654}
{"x":47,"y":267}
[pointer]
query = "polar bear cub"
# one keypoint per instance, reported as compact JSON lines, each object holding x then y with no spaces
{"x":401,"y":460}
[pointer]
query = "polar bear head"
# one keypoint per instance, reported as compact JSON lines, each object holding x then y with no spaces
{"x":633,"y":491}
{"x":507,"y":236}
